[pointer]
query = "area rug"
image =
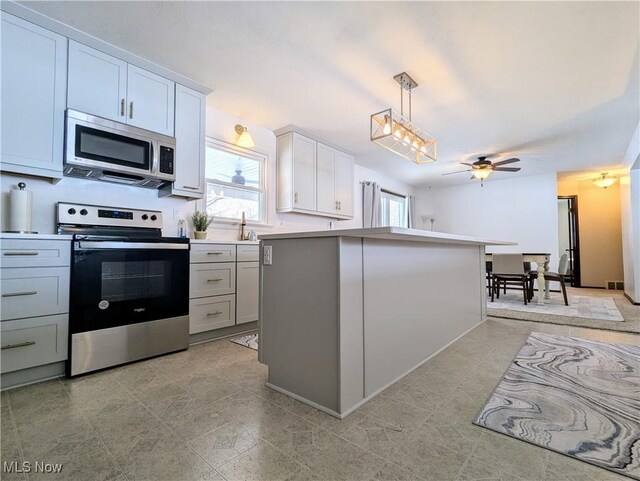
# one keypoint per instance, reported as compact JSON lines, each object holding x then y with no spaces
{"x":250,"y":341}
{"x":588,"y":307}
{"x":574,"y":396}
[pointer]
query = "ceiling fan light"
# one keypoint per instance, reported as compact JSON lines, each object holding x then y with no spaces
{"x":604,"y":180}
{"x":481,"y":174}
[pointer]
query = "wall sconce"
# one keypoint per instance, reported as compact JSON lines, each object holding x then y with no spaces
{"x":604,"y":180}
{"x":244,"y":137}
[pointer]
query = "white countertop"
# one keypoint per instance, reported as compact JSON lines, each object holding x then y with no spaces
{"x":214,"y":241}
{"x":9,"y":235}
{"x":392,"y":233}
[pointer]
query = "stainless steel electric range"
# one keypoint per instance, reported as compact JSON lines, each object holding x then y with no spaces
{"x":129,"y":287}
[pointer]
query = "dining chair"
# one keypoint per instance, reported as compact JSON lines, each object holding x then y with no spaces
{"x":555,"y":276}
{"x":509,"y":269}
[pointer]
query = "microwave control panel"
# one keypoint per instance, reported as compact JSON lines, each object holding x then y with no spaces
{"x":167,"y":160}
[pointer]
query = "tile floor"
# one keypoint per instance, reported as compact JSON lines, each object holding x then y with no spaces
{"x":204,"y":414}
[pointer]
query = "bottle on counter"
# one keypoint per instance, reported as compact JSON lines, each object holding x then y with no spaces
{"x":182,"y":228}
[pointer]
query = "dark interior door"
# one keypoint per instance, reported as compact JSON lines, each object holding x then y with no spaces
{"x":569,"y":218}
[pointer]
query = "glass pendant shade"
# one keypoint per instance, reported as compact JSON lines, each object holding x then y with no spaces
{"x":398,"y":134}
{"x":244,"y":137}
{"x":604,"y":181}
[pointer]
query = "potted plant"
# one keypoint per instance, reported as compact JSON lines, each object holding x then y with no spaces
{"x":201,"y":223}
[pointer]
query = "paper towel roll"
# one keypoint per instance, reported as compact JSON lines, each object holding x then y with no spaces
{"x":20,"y":209}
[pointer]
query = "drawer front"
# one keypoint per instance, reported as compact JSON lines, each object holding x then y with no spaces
{"x":34,"y":342}
{"x":247,"y":292}
{"x":211,"y":313}
{"x":213,"y":253}
{"x":212,"y":279}
{"x":34,"y":292}
{"x":250,"y":253}
{"x":35,"y":253}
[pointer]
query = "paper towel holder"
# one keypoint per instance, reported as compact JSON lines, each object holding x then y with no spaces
{"x":22,"y":186}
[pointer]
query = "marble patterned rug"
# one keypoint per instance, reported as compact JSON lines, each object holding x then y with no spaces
{"x":574,"y":396}
{"x":587,"y":307}
{"x":250,"y":341}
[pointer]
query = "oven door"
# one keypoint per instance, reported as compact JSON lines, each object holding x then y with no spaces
{"x":119,"y":283}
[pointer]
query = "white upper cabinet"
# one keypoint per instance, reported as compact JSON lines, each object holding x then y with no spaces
{"x":344,"y":184}
{"x":105,"y":86}
{"x":34,"y":80}
{"x":97,"y":83}
{"x":313,"y":178}
{"x":151,"y":101}
{"x":326,"y":182}
{"x":190,"y":144}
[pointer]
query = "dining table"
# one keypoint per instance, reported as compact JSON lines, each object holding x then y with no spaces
{"x":541,"y":259}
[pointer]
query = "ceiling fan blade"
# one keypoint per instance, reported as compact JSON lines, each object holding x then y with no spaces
{"x":466,"y":163}
{"x":457,"y":172}
{"x":508,"y":161}
{"x":506,"y":169}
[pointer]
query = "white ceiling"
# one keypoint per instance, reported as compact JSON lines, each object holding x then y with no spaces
{"x":554,"y":83}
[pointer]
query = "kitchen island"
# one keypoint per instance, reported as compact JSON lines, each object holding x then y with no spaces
{"x":346,"y":313}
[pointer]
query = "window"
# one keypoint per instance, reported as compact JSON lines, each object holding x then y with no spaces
{"x":394,"y":209}
{"x":235,"y":182}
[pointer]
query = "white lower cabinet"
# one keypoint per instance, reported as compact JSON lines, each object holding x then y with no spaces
{"x":210,"y":313}
{"x":223,"y":285}
{"x":248,"y":276}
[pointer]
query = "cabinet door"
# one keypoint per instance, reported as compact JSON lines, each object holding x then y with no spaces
{"x":247,"y":292}
{"x":34,"y":78}
{"x":304,"y":173}
{"x":97,"y":82}
{"x":326,"y":181}
{"x":344,"y":184}
{"x":151,"y":101}
{"x":190,"y":132}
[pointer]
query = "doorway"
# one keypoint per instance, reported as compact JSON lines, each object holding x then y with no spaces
{"x":568,"y":237}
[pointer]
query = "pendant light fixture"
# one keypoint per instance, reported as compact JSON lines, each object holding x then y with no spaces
{"x":397,"y":133}
{"x":604,"y":180}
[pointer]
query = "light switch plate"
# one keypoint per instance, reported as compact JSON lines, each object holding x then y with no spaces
{"x":266,"y":256}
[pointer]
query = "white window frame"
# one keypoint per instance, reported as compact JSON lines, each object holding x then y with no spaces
{"x":251,"y":154}
{"x":406,"y":205}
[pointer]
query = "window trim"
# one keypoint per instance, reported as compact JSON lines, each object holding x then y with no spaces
{"x":251,"y":154}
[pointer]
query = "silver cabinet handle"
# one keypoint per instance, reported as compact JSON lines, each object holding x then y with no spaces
{"x":214,"y":253}
{"x":190,"y":187}
{"x":122,"y":107}
{"x":16,"y":294}
{"x":20,"y":344}
{"x":21,"y":254}
{"x":295,"y":198}
{"x":217,"y":313}
{"x":214,"y":280}
{"x":131,"y":109}
{"x":336,"y":205}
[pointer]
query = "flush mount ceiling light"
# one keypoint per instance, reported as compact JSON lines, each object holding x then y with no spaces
{"x":604,"y":180}
{"x":397,"y":133}
{"x":244,"y":137}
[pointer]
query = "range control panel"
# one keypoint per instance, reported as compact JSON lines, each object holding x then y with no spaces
{"x":81,"y":214}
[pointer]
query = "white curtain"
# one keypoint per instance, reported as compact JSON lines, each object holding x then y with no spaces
{"x":371,"y":213}
{"x":411,"y":200}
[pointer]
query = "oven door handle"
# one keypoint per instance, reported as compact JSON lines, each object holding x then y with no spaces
{"x":89,"y":245}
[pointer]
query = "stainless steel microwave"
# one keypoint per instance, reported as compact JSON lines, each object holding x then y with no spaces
{"x":101,"y":149}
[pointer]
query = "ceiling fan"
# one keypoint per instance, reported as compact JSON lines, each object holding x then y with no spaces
{"x":482,"y":168}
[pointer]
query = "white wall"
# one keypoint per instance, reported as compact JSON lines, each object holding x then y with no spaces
{"x":630,"y":213}
{"x":522,"y":209}
{"x":220,"y":125}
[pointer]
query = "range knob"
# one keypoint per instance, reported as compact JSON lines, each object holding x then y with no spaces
{"x":154,"y":217}
{"x":71,"y":211}
{"x":145,"y":216}
{"x":84,"y":212}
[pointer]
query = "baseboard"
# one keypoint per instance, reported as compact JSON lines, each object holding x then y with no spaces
{"x":23,"y":377}
{"x":630,"y":299}
{"x":215,"y":334}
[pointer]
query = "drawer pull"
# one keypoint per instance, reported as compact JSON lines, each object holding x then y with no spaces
{"x":20,"y":344}
{"x":16,"y":294}
{"x":190,"y":187}
{"x":21,"y":253}
{"x":217,"y":313}
{"x":214,"y":253}
{"x":214,"y":280}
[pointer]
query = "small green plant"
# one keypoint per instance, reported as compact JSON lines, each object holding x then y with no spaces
{"x":201,"y":221}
